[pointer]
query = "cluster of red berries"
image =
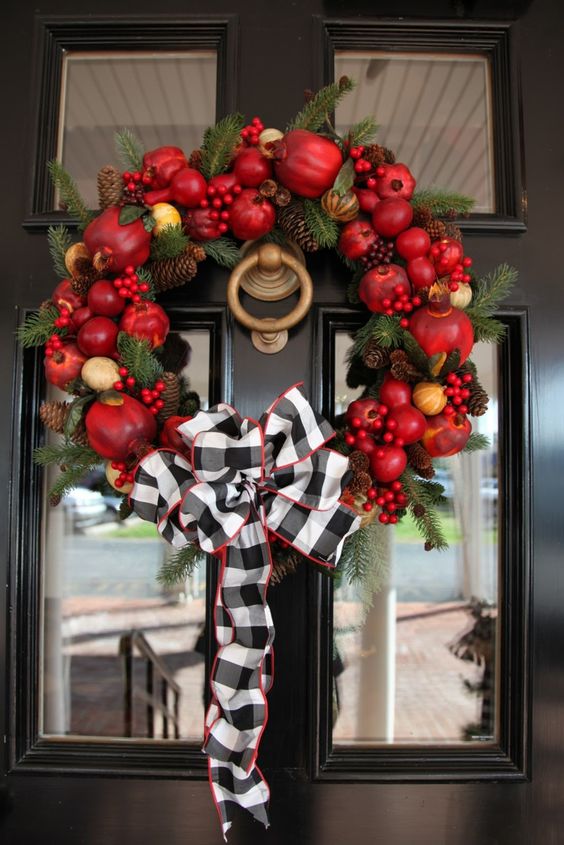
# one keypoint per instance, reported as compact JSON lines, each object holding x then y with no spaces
{"x":457,"y":394}
{"x":220,"y":198}
{"x":124,"y":477}
{"x":134,"y":186}
{"x":389,"y":499}
{"x":63,"y":321}
{"x":151,"y":397}
{"x":128,"y":286}
{"x":381,"y":426}
{"x":274,"y":538}
{"x":251,"y":132}
{"x":381,"y":252}
{"x":444,"y":267}
{"x":54,"y":344}
{"x":361,"y":165}
{"x":372,"y":181}
{"x":401,"y":305}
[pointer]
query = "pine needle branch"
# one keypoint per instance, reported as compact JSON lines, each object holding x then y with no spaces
{"x":365,"y":561}
{"x":169,"y":243}
{"x":38,"y":327}
{"x":315,"y":113}
{"x":144,"y":275}
{"x":59,"y":240}
{"x":66,"y":453}
{"x":70,"y":195}
{"x":423,"y":497}
{"x":321,"y":226}
{"x":386,"y":331}
{"x":224,"y":251}
{"x":362,"y":132}
{"x":442,"y":203}
{"x":129,"y":149}
{"x":180,"y":566}
{"x":70,"y":478}
{"x":491,"y":290}
{"x":477,"y":442}
{"x":487,"y":329}
{"x":218,"y":144}
{"x":136,"y":354}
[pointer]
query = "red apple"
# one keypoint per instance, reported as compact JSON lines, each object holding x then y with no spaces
{"x":104,"y":300}
{"x":413,"y":243}
{"x":446,"y":253}
{"x":387,"y":463}
{"x":252,"y":216}
{"x":98,"y":336}
{"x":392,"y":216}
{"x":445,"y":436}
{"x":410,"y":423}
{"x":81,"y":316}
{"x":251,"y":168}
{"x":394,"y":392}
{"x":421,"y":272}
{"x":367,"y":200}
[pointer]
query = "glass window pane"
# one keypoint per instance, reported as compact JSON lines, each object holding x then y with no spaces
{"x":165,"y":98}
{"x":100,"y":584}
{"x":420,"y":664}
{"x":434,"y":112}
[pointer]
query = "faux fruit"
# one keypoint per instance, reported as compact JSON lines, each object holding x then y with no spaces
{"x":81,"y":316}
{"x":421,"y":272}
{"x":362,"y":412}
{"x":446,"y":253}
{"x":98,"y":336}
{"x":64,"y":365}
{"x":341,"y":207}
{"x":356,"y":239}
{"x":441,"y":328}
{"x":113,"y":475}
{"x":367,"y":200}
{"x":252,"y":216}
{"x":413,"y":243}
{"x":200,"y":226}
{"x":164,"y":214}
{"x":394,"y":392}
{"x":394,"y":180}
{"x":387,"y":463}
{"x":161,"y":165}
{"x":116,"y":424}
{"x":146,"y":321}
{"x":382,"y":284}
{"x":461,"y":297}
{"x":104,"y":300}
{"x":169,"y":438}
{"x":251,"y":168}
{"x":409,"y":423}
{"x":446,"y":435}
{"x":429,"y":397}
{"x":187,"y":187}
{"x":64,"y":297}
{"x":305,"y":163}
{"x":112,"y":246}
{"x":364,"y":442}
{"x":100,"y":373}
{"x":392,"y":216}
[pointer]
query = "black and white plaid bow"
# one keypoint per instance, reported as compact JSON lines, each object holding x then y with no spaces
{"x":244,"y":478}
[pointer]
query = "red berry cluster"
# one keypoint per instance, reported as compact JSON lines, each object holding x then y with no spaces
{"x":380,"y":427}
{"x":151,"y":397}
{"x":251,"y":132}
{"x":220,"y":198}
{"x":444,"y":265}
{"x":361,"y":165}
{"x":54,"y":344}
{"x":401,"y":305}
{"x":273,"y":538}
{"x":128,"y":286}
{"x":124,"y":477}
{"x":457,"y":394}
{"x":389,"y":499}
{"x":134,"y":187}
{"x":63,"y":321}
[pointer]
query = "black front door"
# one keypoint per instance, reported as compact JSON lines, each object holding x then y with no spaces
{"x":81,"y":782}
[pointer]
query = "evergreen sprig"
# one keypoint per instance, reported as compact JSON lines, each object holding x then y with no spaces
{"x":442,"y":203}
{"x":66,"y":452}
{"x":59,"y":240}
{"x":323,"y":228}
{"x":144,"y":275}
{"x":136,"y":354}
{"x":365,"y":560}
{"x":38,"y":327}
{"x":67,"y":187}
{"x":224,"y":251}
{"x":218,"y":144}
{"x":362,"y":132}
{"x":489,"y":292}
{"x":180,"y":566}
{"x":487,"y":329}
{"x":170,"y":242}
{"x":416,"y":355}
{"x":427,"y":495}
{"x":129,"y":149}
{"x":477,"y":442}
{"x":322,"y":105}
{"x":385,"y":330}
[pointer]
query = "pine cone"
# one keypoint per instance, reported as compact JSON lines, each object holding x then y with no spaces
{"x":359,"y":483}
{"x":419,"y":510}
{"x":436,"y":229}
{"x":359,"y":461}
{"x":283,"y":566}
{"x":375,"y":356}
{"x":268,"y":188}
{"x":82,"y":271}
{"x":453,"y":231}
{"x":420,"y":459}
{"x":292,"y":222}
{"x":174,"y":272}
{"x":378,"y":155}
{"x":55,"y":499}
{"x":196,"y":251}
{"x":110,"y":186}
{"x":402,"y":368}
{"x":170,"y":396}
{"x":422,"y":216}
{"x":195,"y":159}
{"x":79,"y":435}
{"x":477,"y":402}
{"x":428,"y":547}
{"x":54,"y":415}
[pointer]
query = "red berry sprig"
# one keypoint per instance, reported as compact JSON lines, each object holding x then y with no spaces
{"x":221,"y":199}
{"x":361,"y":165}
{"x":457,"y":393}
{"x":124,"y":477}
{"x":459,"y":274}
{"x":54,"y":344}
{"x":149,"y":396}
{"x":390,"y":499}
{"x":250,"y":133}
{"x":274,"y":538}
{"x":128,"y":286}
{"x":401,"y":305}
{"x":134,"y":187}
{"x":63,"y":321}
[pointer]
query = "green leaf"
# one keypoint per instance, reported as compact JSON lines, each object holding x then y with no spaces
{"x":322,"y":227}
{"x":224,"y":251}
{"x":59,"y":240}
{"x":322,"y":105}
{"x":219,"y":143}
{"x":415,"y":353}
{"x":345,"y":178}
{"x":149,"y":222}
{"x":129,"y":213}
{"x":75,"y":414}
{"x":477,"y":442}
{"x":129,"y":150}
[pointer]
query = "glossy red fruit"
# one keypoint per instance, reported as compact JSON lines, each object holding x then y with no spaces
{"x":117,"y":424}
{"x":365,"y":410}
{"x":394,"y":392}
{"x":187,"y":188}
{"x":396,"y":181}
{"x":64,"y":297}
{"x":380,"y":284}
{"x":306,"y":163}
{"x":163,"y":163}
{"x":169,"y":437}
{"x":392,"y":216}
{"x":410,"y":421}
{"x":114,"y":247}
{"x":421,"y":272}
{"x":200,"y":226}
{"x":223,"y":180}
{"x":356,"y":239}
{"x":389,"y":465}
{"x":365,"y":444}
{"x":252,"y":216}
{"x":98,"y":336}
{"x":441,"y":328}
{"x":64,"y":365}
{"x":103,"y":299}
{"x":251,"y":168}
{"x":80,"y":317}
{"x":367,"y":200}
{"x":446,"y":435}
{"x":147,"y":321}
{"x":446,"y":253}
{"x":413,"y":243}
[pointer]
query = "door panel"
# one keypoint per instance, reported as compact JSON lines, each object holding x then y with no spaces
{"x":65,"y":791}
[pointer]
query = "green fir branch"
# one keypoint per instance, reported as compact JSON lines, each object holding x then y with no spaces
{"x":129,"y":149}
{"x":66,"y":452}
{"x":70,"y":195}
{"x":362,"y":132}
{"x":219,"y":143}
{"x":487,"y":329}
{"x":321,"y":226}
{"x":136,"y":354}
{"x":442,"y":203}
{"x":169,"y":243}
{"x":59,"y":240}
{"x":180,"y":566}
{"x":365,"y":561}
{"x":224,"y":251}
{"x":423,"y":497}
{"x":38,"y":327}
{"x":145,"y":277}
{"x":414,"y":352}
{"x":477,"y":443}
{"x":386,"y":331}
{"x":70,"y":478}
{"x":322,"y":105}
{"x":490,"y":291}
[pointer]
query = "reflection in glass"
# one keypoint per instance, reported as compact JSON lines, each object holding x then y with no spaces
{"x":165,"y":98}
{"x":434,"y":112}
{"x":419,"y":666}
{"x":99,"y":587}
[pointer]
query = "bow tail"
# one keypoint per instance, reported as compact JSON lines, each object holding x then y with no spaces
{"x":241,"y":675}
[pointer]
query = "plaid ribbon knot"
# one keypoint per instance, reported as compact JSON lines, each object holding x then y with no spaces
{"x":242,"y":479}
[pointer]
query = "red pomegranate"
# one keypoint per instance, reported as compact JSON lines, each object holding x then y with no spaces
{"x":441,"y":328}
{"x":392,"y":216}
{"x":64,"y":296}
{"x":383,"y":283}
{"x":64,"y":365}
{"x":103,"y":299}
{"x":251,"y":167}
{"x":114,"y":247}
{"x":367,"y":200}
{"x":409,"y":423}
{"x":146,"y":320}
{"x":252,"y":216}
{"x":446,"y":253}
{"x":394,"y":392}
{"x":413,"y":243}
{"x":187,"y":187}
{"x":394,"y":180}
{"x":161,"y":165}
{"x":357,"y":239}
{"x":362,"y":412}
{"x":169,"y":437}
{"x":446,"y":435}
{"x":421,"y":272}
{"x":116,"y":424}
{"x":98,"y":336}
{"x":387,"y":463}
{"x":200,"y":226}
{"x":305,"y":163}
